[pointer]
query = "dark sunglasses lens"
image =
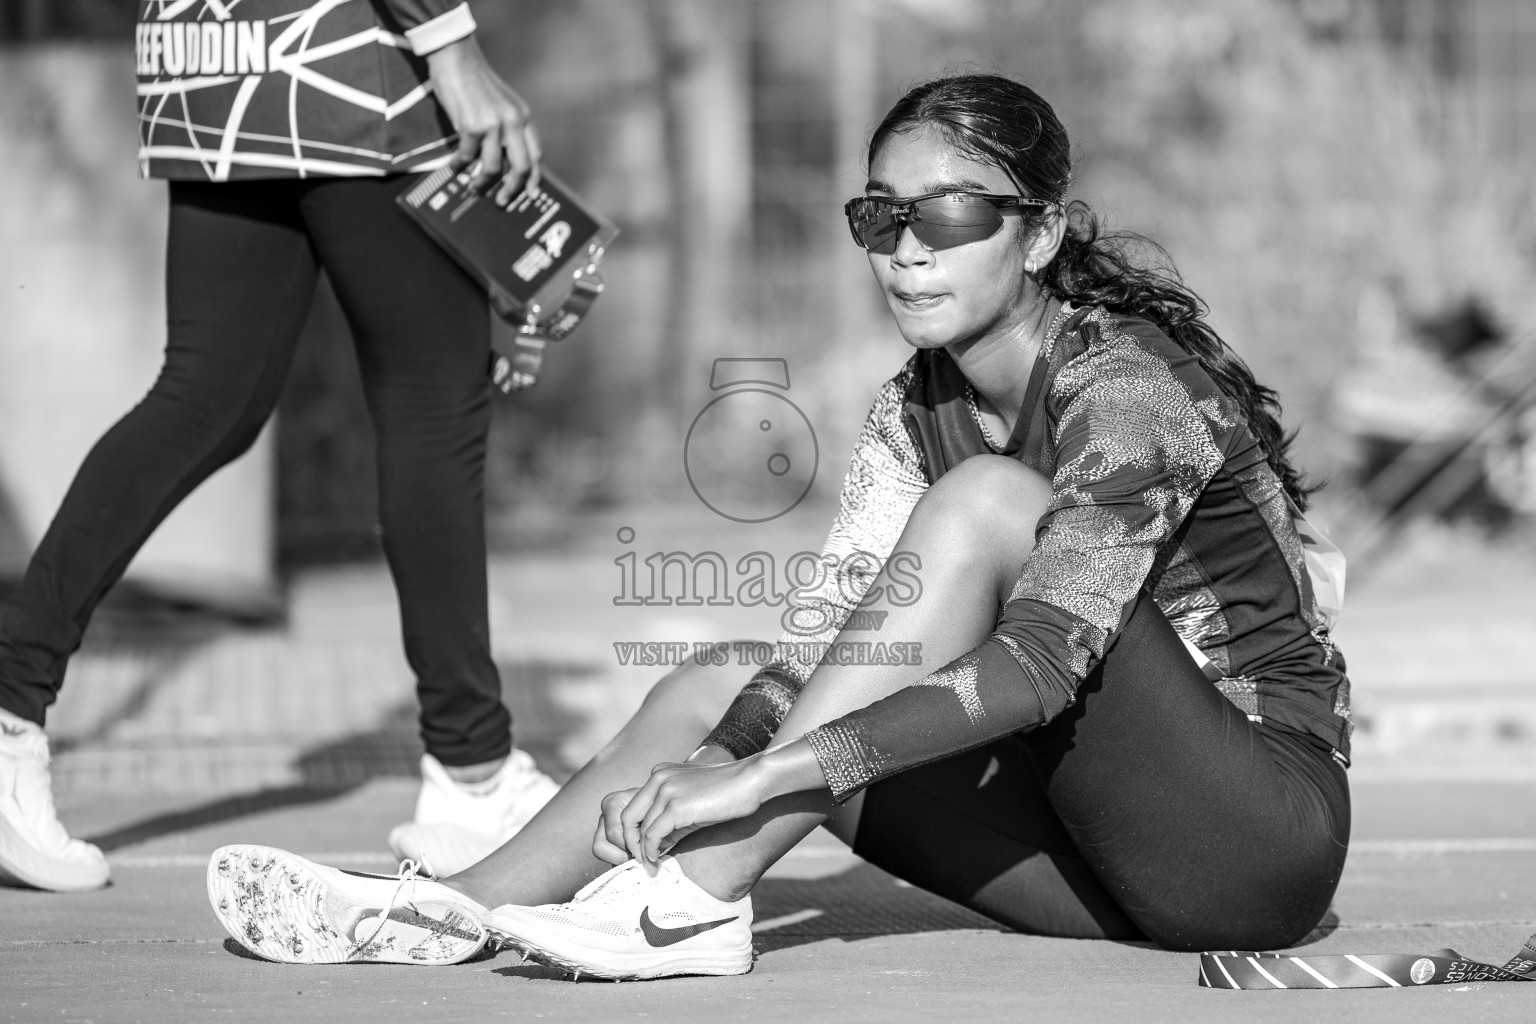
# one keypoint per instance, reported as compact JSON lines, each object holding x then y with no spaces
{"x":941,"y":222}
{"x":944,"y":222}
{"x":875,"y":225}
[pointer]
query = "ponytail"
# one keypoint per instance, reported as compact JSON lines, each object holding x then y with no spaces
{"x":1129,"y":274}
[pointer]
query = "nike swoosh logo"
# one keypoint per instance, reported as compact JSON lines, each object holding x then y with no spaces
{"x":658,"y":936}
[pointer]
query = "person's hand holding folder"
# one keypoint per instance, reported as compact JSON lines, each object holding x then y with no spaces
{"x":494,"y":123}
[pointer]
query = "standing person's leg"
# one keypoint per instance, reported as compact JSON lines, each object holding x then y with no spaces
{"x":239,"y":277}
{"x":422,"y":329}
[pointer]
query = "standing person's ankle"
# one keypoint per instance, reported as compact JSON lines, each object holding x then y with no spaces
{"x":15,"y":719}
{"x":14,"y":723}
{"x":458,"y":822}
{"x":469,"y":774}
{"x":35,"y":849}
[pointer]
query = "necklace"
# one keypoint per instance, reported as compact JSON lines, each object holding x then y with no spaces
{"x":981,"y":424}
{"x":970,"y":392}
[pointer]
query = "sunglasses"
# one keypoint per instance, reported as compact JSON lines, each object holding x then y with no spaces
{"x":939,"y":220}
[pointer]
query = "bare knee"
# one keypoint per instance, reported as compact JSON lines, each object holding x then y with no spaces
{"x":987,"y":495}
{"x":995,"y":480}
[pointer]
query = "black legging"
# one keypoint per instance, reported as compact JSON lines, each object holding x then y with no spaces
{"x":1152,"y":809}
{"x":241,"y":267}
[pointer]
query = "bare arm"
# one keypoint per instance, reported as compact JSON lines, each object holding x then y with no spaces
{"x":494,"y":124}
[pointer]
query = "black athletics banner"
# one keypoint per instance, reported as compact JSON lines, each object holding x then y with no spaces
{"x":1380,"y":970}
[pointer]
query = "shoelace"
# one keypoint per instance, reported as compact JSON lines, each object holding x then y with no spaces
{"x":605,"y":889}
{"x":410,"y":871}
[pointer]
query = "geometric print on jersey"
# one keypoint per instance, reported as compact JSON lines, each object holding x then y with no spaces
{"x":1189,"y":602}
{"x":1089,"y":564}
{"x":1341,"y":705}
{"x":1134,"y":452}
{"x":316,"y":87}
{"x":1242,"y":692}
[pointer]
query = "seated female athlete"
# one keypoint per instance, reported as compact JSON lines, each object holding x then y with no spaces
{"x":1133,"y":725}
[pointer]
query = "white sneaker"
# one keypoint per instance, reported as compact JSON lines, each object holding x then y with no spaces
{"x":34,"y":848}
{"x":628,"y":924}
{"x":458,"y":824}
{"x":283,"y":907}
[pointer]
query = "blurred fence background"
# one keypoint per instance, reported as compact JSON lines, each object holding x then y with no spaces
{"x":1345,"y":181}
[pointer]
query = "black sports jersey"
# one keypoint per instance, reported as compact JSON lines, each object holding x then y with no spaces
{"x":291,"y":88}
{"x":1158,"y":484}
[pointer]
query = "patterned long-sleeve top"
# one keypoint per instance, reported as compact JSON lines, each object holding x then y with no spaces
{"x":1157,"y":484}
{"x":292,"y":88}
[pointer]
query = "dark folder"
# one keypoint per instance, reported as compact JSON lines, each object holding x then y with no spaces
{"x":539,"y":257}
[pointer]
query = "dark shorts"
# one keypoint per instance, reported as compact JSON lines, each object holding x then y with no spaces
{"x":1152,"y":809}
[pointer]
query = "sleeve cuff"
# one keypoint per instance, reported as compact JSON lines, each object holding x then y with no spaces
{"x":734,"y":739}
{"x":441,"y":30}
{"x":842,"y":759}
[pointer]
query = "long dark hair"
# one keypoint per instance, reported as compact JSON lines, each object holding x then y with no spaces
{"x":999,"y":120}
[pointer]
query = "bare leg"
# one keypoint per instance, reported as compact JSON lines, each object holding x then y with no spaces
{"x":973,"y":531}
{"x":552,"y":856}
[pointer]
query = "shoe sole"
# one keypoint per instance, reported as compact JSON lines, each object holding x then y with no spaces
{"x":21,"y":863}
{"x":622,"y":966}
{"x":276,"y":904}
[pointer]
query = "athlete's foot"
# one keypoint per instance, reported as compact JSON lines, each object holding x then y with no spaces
{"x":34,"y":848}
{"x":630,"y":924}
{"x":458,"y":824}
{"x":283,"y":907}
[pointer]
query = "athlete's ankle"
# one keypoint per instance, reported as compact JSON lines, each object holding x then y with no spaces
{"x":471,"y":888}
{"x":705,"y":869}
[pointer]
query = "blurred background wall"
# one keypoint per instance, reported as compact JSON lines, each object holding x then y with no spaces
{"x":1345,"y":181}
